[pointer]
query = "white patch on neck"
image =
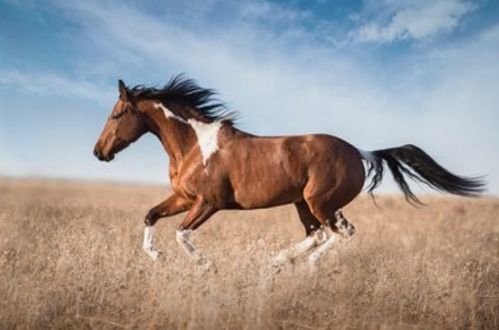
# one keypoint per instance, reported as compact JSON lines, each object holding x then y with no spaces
{"x":206,"y":133}
{"x":168,"y":114}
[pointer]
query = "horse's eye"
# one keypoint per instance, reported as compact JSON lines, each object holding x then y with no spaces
{"x":119,"y":114}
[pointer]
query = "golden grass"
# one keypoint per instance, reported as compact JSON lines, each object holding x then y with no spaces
{"x":71,"y":258}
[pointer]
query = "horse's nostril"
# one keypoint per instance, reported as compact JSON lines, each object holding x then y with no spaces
{"x":97,"y":153}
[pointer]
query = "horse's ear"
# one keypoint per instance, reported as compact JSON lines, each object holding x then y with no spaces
{"x":123,"y":90}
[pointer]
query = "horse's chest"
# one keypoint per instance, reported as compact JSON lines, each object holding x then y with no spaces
{"x":182,"y":187}
{"x":190,"y":183}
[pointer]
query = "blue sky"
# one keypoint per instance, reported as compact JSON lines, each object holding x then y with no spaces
{"x":376,"y":73}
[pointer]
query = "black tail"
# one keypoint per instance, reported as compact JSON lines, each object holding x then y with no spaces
{"x":418,"y":165}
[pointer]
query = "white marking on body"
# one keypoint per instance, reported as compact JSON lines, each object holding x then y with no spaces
{"x":207,"y":134}
{"x":169,"y":114}
{"x":148,"y":243}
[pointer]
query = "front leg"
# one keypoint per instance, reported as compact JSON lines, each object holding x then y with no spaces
{"x":200,"y":212}
{"x":174,"y":204}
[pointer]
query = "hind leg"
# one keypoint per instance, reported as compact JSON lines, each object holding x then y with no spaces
{"x":328,"y":214}
{"x":309,"y":222}
{"x":315,"y":234}
{"x":327,"y":218}
{"x":201,"y":211}
{"x":342,"y":225}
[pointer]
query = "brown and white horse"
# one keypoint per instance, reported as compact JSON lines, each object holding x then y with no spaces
{"x":215,"y":166}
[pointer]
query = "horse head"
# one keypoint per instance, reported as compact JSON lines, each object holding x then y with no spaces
{"x":124,"y":126}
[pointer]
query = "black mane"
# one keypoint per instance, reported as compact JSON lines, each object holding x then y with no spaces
{"x":184,"y":92}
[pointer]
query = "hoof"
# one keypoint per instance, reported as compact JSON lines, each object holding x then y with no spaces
{"x":154,"y":255}
{"x":348,"y":231}
{"x":280,"y":260}
{"x":207,"y":265}
{"x":276,"y":268}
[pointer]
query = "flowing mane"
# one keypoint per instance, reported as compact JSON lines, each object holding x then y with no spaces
{"x":182,"y":92}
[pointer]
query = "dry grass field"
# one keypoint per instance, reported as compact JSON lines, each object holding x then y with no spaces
{"x":70,"y":257}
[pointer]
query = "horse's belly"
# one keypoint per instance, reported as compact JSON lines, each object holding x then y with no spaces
{"x":266,"y":192}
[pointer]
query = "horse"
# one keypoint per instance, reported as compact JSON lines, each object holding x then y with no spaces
{"x":216,"y":166}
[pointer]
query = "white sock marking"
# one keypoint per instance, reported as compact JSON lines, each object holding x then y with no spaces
{"x":321,"y":250}
{"x":298,"y":249}
{"x":344,"y":227}
{"x":183,"y":238}
{"x":295,"y":250}
{"x":148,"y":243}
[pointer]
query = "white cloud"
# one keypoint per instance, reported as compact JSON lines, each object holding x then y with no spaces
{"x":263,"y":10}
{"x":417,"y":21}
{"x":50,"y":83}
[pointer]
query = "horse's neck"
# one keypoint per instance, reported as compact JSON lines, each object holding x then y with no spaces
{"x":179,"y":136}
{"x":176,"y":136}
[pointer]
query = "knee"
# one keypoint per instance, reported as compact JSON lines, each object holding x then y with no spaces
{"x":151,"y":218}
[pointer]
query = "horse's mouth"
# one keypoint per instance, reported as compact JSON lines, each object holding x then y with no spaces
{"x":108,"y":158}
{"x":103,"y":158}
{"x":122,"y":144}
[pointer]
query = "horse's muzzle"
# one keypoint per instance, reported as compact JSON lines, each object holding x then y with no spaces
{"x":101,"y":156}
